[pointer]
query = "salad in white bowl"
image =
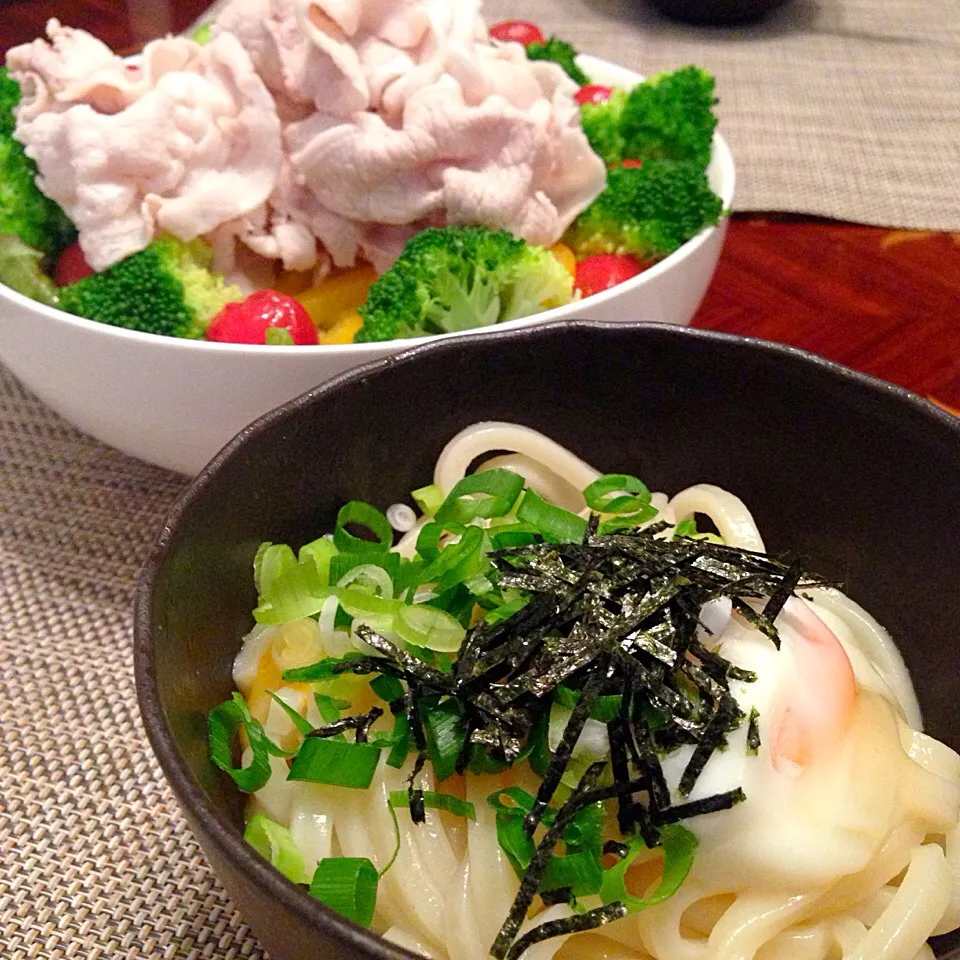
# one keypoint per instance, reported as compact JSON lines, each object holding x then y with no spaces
{"x":212,"y":227}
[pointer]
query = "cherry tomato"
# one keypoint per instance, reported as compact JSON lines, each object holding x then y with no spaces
{"x":593,"y":93}
{"x":249,"y":320}
{"x":71,"y":267}
{"x":519,"y":31}
{"x":605,"y":270}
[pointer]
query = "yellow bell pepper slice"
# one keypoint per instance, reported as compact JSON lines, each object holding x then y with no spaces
{"x":339,"y":293}
{"x":344,"y":330}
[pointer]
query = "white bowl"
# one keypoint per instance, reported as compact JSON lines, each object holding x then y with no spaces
{"x":175,"y":403}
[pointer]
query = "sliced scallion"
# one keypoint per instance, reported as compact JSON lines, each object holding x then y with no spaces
{"x":429,"y":627}
{"x":679,"y":846}
{"x":347,"y":885}
{"x":224,"y":722}
{"x":274,"y":843}
{"x":433,"y":800}
{"x":616,"y":493}
{"x":360,"y":514}
{"x":344,"y":764}
{"x":553,"y":522}
{"x":428,"y":499}
{"x":490,"y":493}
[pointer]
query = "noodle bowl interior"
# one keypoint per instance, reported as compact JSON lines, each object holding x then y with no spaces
{"x":755,"y":766}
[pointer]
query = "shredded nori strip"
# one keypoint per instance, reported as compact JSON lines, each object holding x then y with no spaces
{"x":575,"y":924}
{"x":753,"y":732}
{"x":360,"y":723}
{"x":697,"y":808}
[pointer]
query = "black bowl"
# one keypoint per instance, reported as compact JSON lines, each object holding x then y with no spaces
{"x":717,"y":13}
{"x":858,"y":474}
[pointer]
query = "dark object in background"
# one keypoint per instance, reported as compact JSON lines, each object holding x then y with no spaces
{"x":717,"y":12}
{"x":861,"y":476}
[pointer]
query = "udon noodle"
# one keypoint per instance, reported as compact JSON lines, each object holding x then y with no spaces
{"x":846,"y":848}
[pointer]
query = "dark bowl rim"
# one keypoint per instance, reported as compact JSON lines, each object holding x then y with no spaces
{"x":186,"y":788}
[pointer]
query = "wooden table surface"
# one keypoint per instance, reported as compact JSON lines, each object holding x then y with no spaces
{"x":882,"y":301}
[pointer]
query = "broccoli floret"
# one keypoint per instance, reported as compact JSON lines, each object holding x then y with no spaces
{"x":167,"y":289}
{"x":668,"y":117}
{"x":24,"y":211}
{"x":456,"y":278}
{"x":647,"y":211}
{"x":601,"y":124}
{"x":560,"y":52}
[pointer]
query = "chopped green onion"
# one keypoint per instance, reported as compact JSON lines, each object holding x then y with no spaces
{"x":326,"y":669}
{"x":611,"y":493}
{"x":499,"y":490}
{"x":604,"y":708}
{"x":274,"y":843}
{"x":321,"y":552}
{"x":581,"y":872}
{"x":387,"y":688}
{"x":329,"y":707}
{"x":445,"y":733}
{"x":290,"y":589}
{"x":429,"y":627}
{"x":626,"y":521}
{"x":347,"y":885}
{"x":428,"y":499}
{"x":512,"y":535}
{"x":363,"y":515}
{"x":270,"y":560}
{"x":373,"y":609}
{"x":685,"y":528}
{"x":458,"y":561}
{"x":344,"y":764}
{"x":223,"y":724}
{"x":301,"y":723}
{"x":679,"y":846}
{"x":378,"y":570}
{"x":436,"y":801}
{"x":553,"y":522}
{"x":401,"y":746}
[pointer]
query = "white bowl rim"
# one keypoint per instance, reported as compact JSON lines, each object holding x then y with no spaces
{"x":721,"y":155}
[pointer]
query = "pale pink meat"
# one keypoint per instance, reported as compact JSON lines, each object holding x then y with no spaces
{"x":182,"y":141}
{"x":399,"y":113}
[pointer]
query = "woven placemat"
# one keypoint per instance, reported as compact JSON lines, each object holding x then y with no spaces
{"x":95,"y":859}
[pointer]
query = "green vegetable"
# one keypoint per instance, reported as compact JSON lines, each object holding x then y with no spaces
{"x":498,"y":491}
{"x":667,"y":117}
{"x":347,"y":885}
{"x":344,"y":764}
{"x":20,"y":269}
{"x":679,"y":847}
{"x":361,"y":514}
{"x":436,"y":801}
{"x":25,"y":212}
{"x":456,"y":278}
{"x":274,"y":843}
{"x":555,"y":523}
{"x":646,"y":211}
{"x":167,"y":289}
{"x":202,"y":34}
{"x":560,"y":52}
{"x":225,"y":721}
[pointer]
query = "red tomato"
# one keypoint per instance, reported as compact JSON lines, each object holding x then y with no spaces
{"x":593,"y":93}
{"x":631,"y":163}
{"x":605,"y":270}
{"x":71,"y":267}
{"x":519,"y":31}
{"x":248,"y":321}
